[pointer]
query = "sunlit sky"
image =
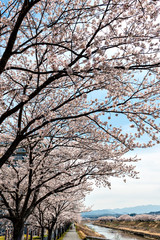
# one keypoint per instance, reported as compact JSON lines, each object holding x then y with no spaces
{"x":135,"y":192}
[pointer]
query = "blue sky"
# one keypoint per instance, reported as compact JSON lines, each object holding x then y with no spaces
{"x":142,"y":191}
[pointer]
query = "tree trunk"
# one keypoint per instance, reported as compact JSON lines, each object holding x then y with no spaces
{"x":18,"y":227}
{"x":55,"y":234}
{"x":31,"y":235}
{"x":59,"y":233}
{"x":6,"y":234}
{"x":49,"y":234}
{"x":39,"y":232}
{"x":27,"y":234}
{"x":42,"y":233}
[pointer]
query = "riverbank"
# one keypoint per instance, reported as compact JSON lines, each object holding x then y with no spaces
{"x":144,"y":229}
{"x":85,"y":231}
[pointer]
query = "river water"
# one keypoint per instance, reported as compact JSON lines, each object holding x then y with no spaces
{"x":113,"y":234}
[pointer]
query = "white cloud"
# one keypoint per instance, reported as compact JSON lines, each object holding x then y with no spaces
{"x":143,"y":191}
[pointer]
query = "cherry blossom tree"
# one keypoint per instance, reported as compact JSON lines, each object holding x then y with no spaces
{"x":125,"y":217}
{"x":56,"y":58}
{"x":107,"y":218}
{"x":51,"y":212}
{"x":48,"y":171}
{"x":144,"y":217}
{"x":57,"y":55}
{"x":157,"y":218}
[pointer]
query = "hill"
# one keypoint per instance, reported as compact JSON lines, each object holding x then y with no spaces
{"x":121,"y":211}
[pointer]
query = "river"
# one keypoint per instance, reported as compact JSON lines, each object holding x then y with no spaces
{"x":113,"y":234}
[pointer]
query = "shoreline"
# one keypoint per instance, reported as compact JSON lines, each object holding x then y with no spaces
{"x":85,"y":231}
{"x":141,"y":233}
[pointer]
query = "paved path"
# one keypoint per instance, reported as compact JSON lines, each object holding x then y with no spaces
{"x":71,"y":234}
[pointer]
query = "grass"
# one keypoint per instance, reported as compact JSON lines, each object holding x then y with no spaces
{"x":37,"y":237}
{"x":84,"y":231}
{"x":151,"y":226}
{"x":62,"y":236}
{"x":34,"y":237}
{"x":150,"y":229}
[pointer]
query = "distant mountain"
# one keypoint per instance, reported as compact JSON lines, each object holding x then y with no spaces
{"x":121,"y":211}
{"x":154,"y":213}
{"x":138,"y":209}
{"x":98,"y":213}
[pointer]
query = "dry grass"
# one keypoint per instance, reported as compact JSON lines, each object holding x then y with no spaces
{"x":153,"y":227}
{"x":85,"y":231}
{"x":150,"y":228}
{"x":34,"y":237}
{"x":81,"y":234}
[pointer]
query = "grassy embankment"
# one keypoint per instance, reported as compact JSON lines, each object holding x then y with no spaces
{"x":84,"y":231}
{"x":146,"y":229}
{"x":34,"y":237}
{"x":37,"y":237}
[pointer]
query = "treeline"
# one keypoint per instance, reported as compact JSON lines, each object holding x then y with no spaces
{"x":126,"y":217}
